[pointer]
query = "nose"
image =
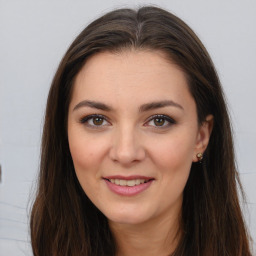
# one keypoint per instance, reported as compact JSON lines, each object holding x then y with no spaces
{"x":127,"y":147}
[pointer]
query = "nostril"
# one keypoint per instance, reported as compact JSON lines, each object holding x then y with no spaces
{"x":127,"y":154}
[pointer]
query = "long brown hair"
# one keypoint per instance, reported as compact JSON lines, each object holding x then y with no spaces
{"x":65,"y":222}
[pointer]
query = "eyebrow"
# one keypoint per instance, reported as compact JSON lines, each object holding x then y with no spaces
{"x":93,"y":104}
{"x":143,"y":108}
{"x":159,"y":104}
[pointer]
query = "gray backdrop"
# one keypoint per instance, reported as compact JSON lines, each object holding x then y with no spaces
{"x":33,"y":37}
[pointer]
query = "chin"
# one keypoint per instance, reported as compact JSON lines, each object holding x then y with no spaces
{"x":126,"y":221}
{"x":127,"y":218}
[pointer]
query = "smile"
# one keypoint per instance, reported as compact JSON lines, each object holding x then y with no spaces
{"x":129,"y":183}
{"x":128,"y":186}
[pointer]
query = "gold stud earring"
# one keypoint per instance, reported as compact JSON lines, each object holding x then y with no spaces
{"x":199,"y":156}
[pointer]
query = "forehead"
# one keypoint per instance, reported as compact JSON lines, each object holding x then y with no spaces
{"x":130,"y":75}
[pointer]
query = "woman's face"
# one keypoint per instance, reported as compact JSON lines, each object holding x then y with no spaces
{"x":133,"y":135}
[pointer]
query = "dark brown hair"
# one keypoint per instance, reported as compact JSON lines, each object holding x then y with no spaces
{"x":64,"y":222}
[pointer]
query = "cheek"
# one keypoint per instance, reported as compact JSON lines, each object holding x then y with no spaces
{"x":85,"y":151}
{"x":81,"y":155}
{"x":86,"y":154}
{"x":172,"y":159}
{"x":174,"y":152}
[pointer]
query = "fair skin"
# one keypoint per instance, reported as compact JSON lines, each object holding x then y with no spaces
{"x":132,"y":119}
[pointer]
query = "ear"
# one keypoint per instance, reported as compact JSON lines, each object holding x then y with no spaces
{"x":203,"y":136}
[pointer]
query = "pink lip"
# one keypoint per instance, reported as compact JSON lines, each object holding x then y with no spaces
{"x":133,"y":177}
{"x":126,"y":190}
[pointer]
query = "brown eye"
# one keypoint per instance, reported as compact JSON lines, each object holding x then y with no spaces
{"x":97,"y":120}
{"x":159,"y":121}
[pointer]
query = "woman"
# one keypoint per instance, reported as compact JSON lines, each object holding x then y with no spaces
{"x":137,"y":153}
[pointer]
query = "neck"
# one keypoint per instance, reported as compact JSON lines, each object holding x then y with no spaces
{"x":154,"y":238}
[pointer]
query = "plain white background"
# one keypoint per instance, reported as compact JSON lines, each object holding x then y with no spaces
{"x":34,"y":36}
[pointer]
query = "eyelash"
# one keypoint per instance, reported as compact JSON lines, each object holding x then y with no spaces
{"x":165,"y":118}
{"x":170,"y":121}
{"x":86,"y":119}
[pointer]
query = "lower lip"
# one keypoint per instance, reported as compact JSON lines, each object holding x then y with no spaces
{"x":126,"y":190}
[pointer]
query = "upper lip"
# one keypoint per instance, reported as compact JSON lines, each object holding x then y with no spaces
{"x":132,"y":177}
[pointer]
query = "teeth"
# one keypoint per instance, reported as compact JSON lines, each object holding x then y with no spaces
{"x":138,"y":182}
{"x":129,"y":183}
{"x":123,"y":182}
